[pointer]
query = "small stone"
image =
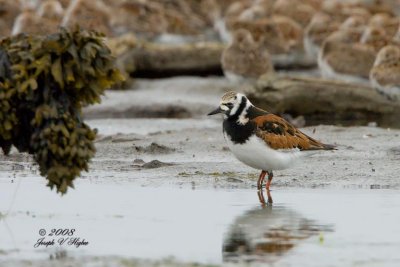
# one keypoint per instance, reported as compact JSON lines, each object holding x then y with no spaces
{"x":234,"y":180}
{"x":155,"y":164}
{"x":138,"y":162}
{"x":154,"y":148}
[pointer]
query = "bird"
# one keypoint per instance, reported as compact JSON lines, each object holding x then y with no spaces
{"x":262,"y":140}
{"x":388,"y":23}
{"x":375,"y":37}
{"x":9,"y":10}
{"x":244,"y":59}
{"x":88,"y":15}
{"x":319,"y":28}
{"x":385,"y":74}
{"x":30,"y":22}
{"x":51,"y":9}
{"x":342,"y":57}
{"x":292,"y":32}
{"x":355,"y":23}
{"x":299,"y":11}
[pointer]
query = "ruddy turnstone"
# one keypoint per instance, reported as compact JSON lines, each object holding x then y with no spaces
{"x":44,"y":21}
{"x":253,"y":13}
{"x":297,"y":10}
{"x":385,"y":75}
{"x":292,"y":32}
{"x":342,"y":57}
{"x":230,"y":15}
{"x":244,"y":59}
{"x":281,"y":36}
{"x":9,"y":10}
{"x":319,"y":28}
{"x":387,"y":22}
{"x":355,"y":23}
{"x":51,"y":9}
{"x":375,"y":37}
{"x":264,"y":31}
{"x":396,"y":38}
{"x":89,"y":15}
{"x":261,"y":139}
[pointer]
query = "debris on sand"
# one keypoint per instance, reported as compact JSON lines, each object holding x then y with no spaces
{"x":214,"y":174}
{"x":124,"y":139}
{"x":234,"y":180}
{"x":395,"y":151}
{"x":138,"y":162}
{"x":155,"y":164}
{"x":154,"y":148}
{"x":118,"y":138}
{"x":103,"y":138}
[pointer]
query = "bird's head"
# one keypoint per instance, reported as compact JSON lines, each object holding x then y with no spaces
{"x":243,"y":39}
{"x":389,"y":54}
{"x":231,"y":104}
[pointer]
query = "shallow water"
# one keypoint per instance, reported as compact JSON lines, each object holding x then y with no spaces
{"x":301,"y":227}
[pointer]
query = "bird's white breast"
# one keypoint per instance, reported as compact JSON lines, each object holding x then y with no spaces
{"x":392,"y":91}
{"x":257,"y":154}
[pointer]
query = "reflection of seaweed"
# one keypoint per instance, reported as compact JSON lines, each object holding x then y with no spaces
{"x":237,"y":243}
{"x":263,"y":234}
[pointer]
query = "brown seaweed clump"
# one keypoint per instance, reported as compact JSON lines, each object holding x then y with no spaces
{"x":44,"y":83}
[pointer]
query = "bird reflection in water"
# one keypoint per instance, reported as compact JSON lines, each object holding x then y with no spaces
{"x":260,"y":194}
{"x":265,"y":233}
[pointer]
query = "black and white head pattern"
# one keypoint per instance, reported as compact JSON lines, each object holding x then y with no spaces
{"x":235,"y":106}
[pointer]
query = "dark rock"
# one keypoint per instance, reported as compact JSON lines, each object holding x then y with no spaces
{"x":154,"y":148}
{"x":321,"y":100}
{"x":138,"y":162}
{"x":155,"y":164}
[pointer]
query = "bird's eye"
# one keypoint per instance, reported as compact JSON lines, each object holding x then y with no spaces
{"x":229,"y":105}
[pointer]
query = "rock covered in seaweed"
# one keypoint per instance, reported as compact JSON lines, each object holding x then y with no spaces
{"x":44,"y":83}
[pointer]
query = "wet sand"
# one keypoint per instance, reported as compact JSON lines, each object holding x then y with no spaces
{"x":160,"y":188}
{"x":367,"y":157}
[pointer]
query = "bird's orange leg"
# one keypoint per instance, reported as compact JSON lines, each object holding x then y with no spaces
{"x":261,"y":179}
{"x":270,"y":176}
